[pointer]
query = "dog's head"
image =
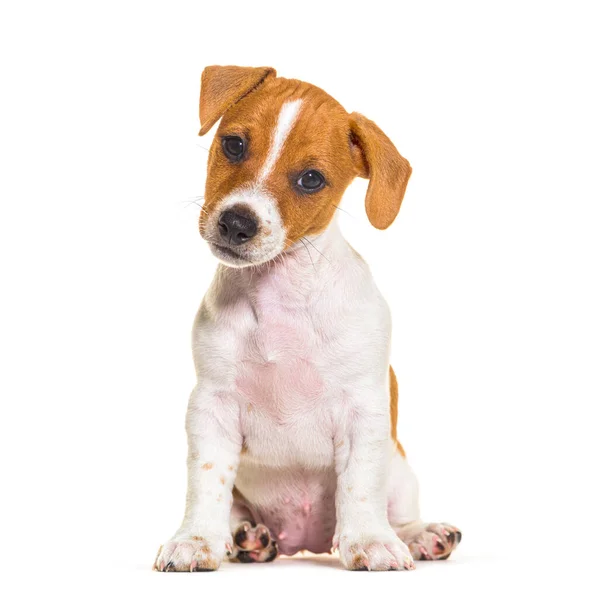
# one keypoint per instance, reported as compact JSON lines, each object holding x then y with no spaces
{"x":284,"y":153}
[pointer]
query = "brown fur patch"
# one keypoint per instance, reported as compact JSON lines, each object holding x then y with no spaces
{"x":394,"y":410}
{"x":323,"y":137}
{"x":386,"y":169}
{"x":221,"y":87}
{"x":318,"y":140}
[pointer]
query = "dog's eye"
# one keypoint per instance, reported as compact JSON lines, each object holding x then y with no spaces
{"x":233,"y":147}
{"x":311,"y":181}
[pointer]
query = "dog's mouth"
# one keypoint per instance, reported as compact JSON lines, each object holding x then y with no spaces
{"x":228,"y":256}
{"x":226,"y":251}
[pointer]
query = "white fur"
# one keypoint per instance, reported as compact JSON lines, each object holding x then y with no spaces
{"x":286,"y":119}
{"x":271,"y":236}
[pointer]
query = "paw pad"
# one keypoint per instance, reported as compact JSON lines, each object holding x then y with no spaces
{"x":253,"y":544}
{"x":435,"y":541}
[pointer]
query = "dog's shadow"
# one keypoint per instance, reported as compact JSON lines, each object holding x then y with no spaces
{"x":332,"y":561}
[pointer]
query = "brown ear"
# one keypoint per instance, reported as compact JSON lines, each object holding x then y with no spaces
{"x":377,"y":159}
{"x":221,"y":87}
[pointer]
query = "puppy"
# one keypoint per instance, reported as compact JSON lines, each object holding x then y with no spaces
{"x":292,"y":423}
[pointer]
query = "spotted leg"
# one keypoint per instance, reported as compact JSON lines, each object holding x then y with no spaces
{"x":214,"y":441}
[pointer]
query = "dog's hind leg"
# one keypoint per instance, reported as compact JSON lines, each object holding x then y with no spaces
{"x":426,"y":541}
{"x":252,"y":541}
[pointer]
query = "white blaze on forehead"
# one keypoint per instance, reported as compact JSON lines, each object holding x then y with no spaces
{"x":286,"y":119}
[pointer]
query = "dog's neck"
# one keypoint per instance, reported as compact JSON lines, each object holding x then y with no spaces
{"x":297,"y":274}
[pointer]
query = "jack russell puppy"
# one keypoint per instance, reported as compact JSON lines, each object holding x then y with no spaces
{"x":292,"y":423}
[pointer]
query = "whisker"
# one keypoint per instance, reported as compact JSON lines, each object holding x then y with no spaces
{"x":197,"y":203}
{"x":307,"y":240}
{"x":343,"y":210}
{"x":309,"y":254}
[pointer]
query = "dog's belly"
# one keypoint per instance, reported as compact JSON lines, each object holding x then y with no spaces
{"x":297,"y":505}
{"x":287,"y":474}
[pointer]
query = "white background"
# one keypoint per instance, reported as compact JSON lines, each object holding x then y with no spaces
{"x":490,"y":271}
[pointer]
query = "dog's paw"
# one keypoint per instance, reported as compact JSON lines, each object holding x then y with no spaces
{"x":192,"y":553}
{"x":382,"y":551}
{"x":433,"y":541}
{"x":253,"y":544}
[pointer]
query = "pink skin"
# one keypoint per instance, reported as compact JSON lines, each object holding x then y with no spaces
{"x":262,"y":384}
{"x":294,"y":527}
{"x":276,"y":358}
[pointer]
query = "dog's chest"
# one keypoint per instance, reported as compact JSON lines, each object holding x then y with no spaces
{"x":283,"y":383}
{"x":280,"y":366}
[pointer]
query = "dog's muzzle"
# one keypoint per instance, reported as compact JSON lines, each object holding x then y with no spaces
{"x":246,"y":229}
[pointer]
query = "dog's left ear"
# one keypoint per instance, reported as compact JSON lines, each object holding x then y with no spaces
{"x":376,"y":159}
{"x":221,"y":87}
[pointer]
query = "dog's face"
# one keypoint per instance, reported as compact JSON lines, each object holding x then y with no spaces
{"x":283,"y":155}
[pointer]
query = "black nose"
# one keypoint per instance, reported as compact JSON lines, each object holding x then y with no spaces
{"x":235,"y":228}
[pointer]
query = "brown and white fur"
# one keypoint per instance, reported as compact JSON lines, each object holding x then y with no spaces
{"x":291,"y":426}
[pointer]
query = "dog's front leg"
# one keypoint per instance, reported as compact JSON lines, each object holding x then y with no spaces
{"x":214,"y":441}
{"x":363,"y":535}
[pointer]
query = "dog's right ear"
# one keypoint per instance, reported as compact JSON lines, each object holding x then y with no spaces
{"x":376,"y":158}
{"x":221,"y":87}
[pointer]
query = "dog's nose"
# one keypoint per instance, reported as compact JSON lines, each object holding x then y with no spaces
{"x":235,"y":228}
